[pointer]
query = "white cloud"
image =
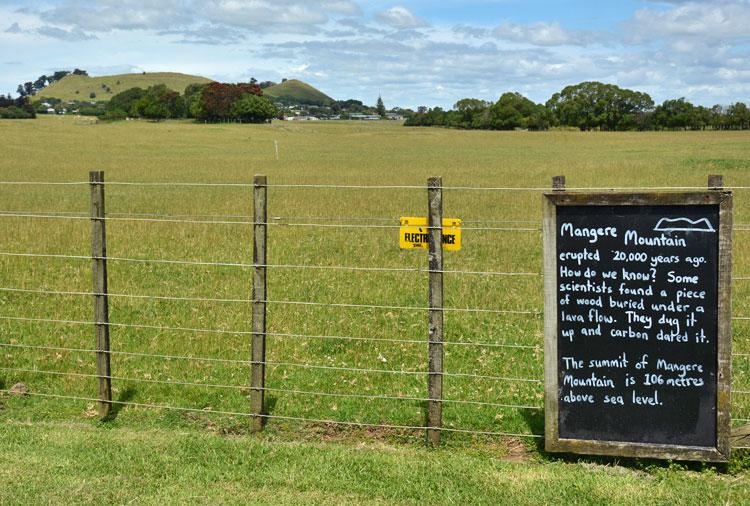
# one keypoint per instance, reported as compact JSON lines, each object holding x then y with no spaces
{"x":400,"y":17}
{"x":543,"y":34}
{"x":709,"y":22}
{"x":171,"y":15}
{"x":668,"y":49}
{"x":105,"y":15}
{"x":54,"y":32}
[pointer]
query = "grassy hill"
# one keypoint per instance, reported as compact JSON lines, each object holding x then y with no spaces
{"x":80,"y":87}
{"x":295,"y":91}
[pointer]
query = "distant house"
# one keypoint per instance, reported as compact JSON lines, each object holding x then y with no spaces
{"x":301,"y":118}
{"x":364,"y":117}
{"x":50,"y":110}
{"x":394,"y":116}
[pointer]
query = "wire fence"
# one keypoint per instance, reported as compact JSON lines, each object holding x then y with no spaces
{"x":523,"y":354}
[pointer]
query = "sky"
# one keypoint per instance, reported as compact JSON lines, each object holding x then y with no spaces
{"x":412,"y":52}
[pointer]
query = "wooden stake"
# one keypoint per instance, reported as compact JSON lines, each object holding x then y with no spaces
{"x":558,"y":183}
{"x":258,"y":352}
{"x":101,"y":304}
{"x":715,"y":182}
{"x":435,"y":325}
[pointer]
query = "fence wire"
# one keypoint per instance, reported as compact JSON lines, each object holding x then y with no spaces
{"x":281,"y":417}
{"x":323,"y":222}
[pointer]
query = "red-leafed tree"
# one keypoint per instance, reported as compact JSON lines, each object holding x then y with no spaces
{"x":218,"y":98}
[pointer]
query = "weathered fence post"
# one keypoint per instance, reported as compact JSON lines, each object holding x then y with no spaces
{"x":715,"y":182}
{"x":258,"y":352}
{"x":558,"y":183}
{"x":101,"y":306}
{"x":435,"y":324}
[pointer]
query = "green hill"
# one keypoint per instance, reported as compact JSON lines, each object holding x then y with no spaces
{"x":297,"y":92}
{"x":80,"y":87}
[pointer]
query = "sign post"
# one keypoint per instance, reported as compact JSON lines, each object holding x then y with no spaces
{"x":638,"y":324}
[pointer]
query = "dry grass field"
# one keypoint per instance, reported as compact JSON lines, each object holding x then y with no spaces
{"x":56,"y":149}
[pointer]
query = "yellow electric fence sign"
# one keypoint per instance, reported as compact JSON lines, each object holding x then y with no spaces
{"x":413,"y":234}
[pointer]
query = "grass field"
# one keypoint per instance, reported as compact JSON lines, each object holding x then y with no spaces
{"x":80,"y":87}
{"x":57,"y":440}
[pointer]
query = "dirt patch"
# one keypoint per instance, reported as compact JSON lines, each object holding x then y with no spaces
{"x":19,"y":389}
{"x":516,"y":451}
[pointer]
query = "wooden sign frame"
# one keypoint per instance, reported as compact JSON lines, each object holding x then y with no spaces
{"x":553,"y":442}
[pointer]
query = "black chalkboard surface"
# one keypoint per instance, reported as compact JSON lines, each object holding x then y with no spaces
{"x":637,"y":322}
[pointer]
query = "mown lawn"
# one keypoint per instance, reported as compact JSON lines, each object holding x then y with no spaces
{"x":76,"y":463}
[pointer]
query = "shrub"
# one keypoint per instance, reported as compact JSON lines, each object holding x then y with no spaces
{"x":114,"y":115}
{"x":14,"y":112}
{"x":125,"y":101}
{"x":253,"y":109}
{"x":217,"y":99}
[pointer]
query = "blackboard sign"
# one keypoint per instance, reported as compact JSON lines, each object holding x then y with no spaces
{"x":638,"y":324}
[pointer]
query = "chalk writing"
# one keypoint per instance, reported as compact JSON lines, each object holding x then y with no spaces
{"x":637,"y":324}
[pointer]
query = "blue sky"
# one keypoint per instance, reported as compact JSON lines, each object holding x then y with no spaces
{"x":416,"y":52}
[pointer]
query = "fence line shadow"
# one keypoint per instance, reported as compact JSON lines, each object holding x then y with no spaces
{"x":125,"y":396}
{"x":268,"y":407}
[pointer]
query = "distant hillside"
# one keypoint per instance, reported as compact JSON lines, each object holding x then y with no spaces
{"x":80,"y":87}
{"x":294,"y":91}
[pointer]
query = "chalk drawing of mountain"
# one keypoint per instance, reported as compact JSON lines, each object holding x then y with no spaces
{"x":684,"y":225}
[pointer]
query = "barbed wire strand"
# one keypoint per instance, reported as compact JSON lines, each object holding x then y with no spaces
{"x":249,"y":216}
{"x":742,"y":226}
{"x":272,"y":266}
{"x":282,"y":302}
{"x":282,"y":266}
{"x":280,"y":417}
{"x":294,"y":418}
{"x":362,"y":187}
{"x":271,"y":389}
{"x":245,"y":332}
{"x":272,"y":224}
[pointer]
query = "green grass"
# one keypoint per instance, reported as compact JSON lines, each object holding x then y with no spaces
{"x":298,"y":91}
{"x":74,"y":87}
{"x":82,"y":463}
{"x":57,"y":149}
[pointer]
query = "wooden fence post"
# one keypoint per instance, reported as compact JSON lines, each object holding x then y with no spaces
{"x":258,"y":352}
{"x":715,"y":182}
{"x":435,"y":324}
{"x":558,"y":183}
{"x":101,"y":305}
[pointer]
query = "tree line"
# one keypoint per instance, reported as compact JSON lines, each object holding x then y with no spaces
{"x":213,"y":102}
{"x":16,"y":108}
{"x":30,"y":88}
{"x":586,"y":106}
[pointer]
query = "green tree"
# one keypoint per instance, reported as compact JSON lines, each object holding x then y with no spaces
{"x":511,"y":111}
{"x":159,"y":102}
{"x":380,"y":107}
{"x":251,"y":108}
{"x":673,"y":114}
{"x":192,"y":98}
{"x":469,"y":110}
{"x":58,"y":75}
{"x":738,"y":116}
{"x":123,"y":103}
{"x":591,"y":105}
